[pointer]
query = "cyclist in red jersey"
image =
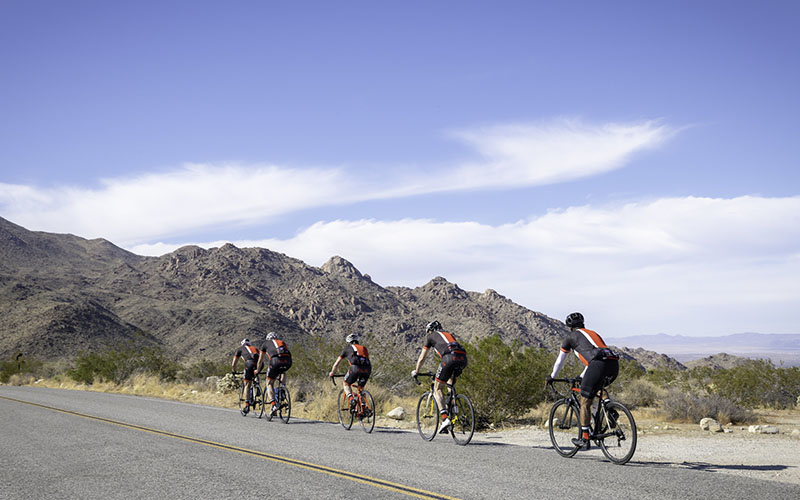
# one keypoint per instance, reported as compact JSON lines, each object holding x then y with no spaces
{"x":280,"y":360}
{"x":454,"y":359}
{"x":602,"y":368}
{"x":249,"y":354}
{"x":360,"y":366}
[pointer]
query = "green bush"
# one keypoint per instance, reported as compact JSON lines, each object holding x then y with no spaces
{"x":641,"y":392}
{"x":757,"y":383}
{"x":117,"y":365}
{"x":203,"y":368}
{"x":17,"y":365}
{"x":503,"y":382}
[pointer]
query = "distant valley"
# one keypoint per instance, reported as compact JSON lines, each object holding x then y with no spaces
{"x":780,"y":348}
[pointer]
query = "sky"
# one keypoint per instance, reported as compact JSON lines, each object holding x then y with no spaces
{"x":635,"y":161}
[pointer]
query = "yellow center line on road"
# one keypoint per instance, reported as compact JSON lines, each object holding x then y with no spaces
{"x":371,"y":481}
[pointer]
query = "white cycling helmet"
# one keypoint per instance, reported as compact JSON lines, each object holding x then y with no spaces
{"x":244,"y":341}
{"x":272,"y":336}
{"x":353,"y":337}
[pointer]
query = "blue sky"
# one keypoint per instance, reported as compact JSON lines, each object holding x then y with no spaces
{"x":636,"y":161}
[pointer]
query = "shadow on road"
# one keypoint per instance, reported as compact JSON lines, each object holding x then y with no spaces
{"x":709,"y":467}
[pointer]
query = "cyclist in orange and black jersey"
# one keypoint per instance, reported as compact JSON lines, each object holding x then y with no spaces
{"x":360,"y":366}
{"x":454,"y":360}
{"x":280,"y":360}
{"x":601,"y":367}
{"x":249,"y":354}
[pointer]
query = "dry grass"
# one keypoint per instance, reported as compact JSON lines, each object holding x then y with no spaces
{"x":318,"y":402}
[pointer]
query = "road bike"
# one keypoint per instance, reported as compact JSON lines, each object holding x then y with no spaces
{"x":361,"y":407}
{"x":612,"y":424}
{"x":283,"y":402}
{"x":459,"y":409}
{"x":256,"y":397}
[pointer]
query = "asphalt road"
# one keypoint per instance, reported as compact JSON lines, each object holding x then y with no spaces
{"x":76,"y":444}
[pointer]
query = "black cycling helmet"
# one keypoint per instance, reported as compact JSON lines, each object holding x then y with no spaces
{"x":575,"y":320}
{"x":433,"y":326}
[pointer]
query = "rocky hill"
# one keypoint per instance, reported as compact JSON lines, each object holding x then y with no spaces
{"x":61,"y":294}
{"x":718,"y":361}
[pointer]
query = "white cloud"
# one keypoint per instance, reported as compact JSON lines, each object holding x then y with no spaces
{"x":137,"y":209}
{"x":680,"y":265}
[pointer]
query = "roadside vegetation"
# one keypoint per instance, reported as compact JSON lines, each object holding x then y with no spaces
{"x":505,"y":382}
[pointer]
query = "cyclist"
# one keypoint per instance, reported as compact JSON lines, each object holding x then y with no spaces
{"x":249,"y":354}
{"x":280,"y":360}
{"x":360,"y":366}
{"x":602,"y":367}
{"x":454,"y":359}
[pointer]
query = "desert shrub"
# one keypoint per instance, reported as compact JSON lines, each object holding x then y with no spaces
{"x":687,"y":407}
{"x":502,"y":381}
{"x":641,"y":392}
{"x":662,"y":376}
{"x":18,"y":365}
{"x":757,"y":383}
{"x":203,"y":368}
{"x":119,"y":364}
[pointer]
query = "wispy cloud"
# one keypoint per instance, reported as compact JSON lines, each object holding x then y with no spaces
{"x":643,"y":267}
{"x":136,"y":209}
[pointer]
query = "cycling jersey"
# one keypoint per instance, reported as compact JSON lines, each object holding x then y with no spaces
{"x":360,"y":367}
{"x":247,"y":352}
{"x":587,"y":345}
{"x":356,"y":354}
{"x":443,"y":343}
{"x":601,"y":362}
{"x":280,"y":359}
{"x":454,"y":357}
{"x":275,"y":347}
{"x":250,"y":356}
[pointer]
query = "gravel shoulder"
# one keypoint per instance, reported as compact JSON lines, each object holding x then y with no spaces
{"x":774,"y":457}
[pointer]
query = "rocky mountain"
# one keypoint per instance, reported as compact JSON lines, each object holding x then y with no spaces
{"x":61,"y":294}
{"x":717,"y":361}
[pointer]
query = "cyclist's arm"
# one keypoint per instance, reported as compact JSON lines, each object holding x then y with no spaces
{"x":335,"y":366}
{"x":562,"y":357}
{"x":260,"y":360}
{"x":235,"y":359}
{"x":422,"y":356}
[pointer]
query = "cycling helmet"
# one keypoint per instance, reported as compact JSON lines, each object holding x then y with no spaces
{"x":575,"y":320}
{"x":244,"y":341}
{"x":433,"y":326}
{"x":271,"y":336}
{"x":353,"y":337}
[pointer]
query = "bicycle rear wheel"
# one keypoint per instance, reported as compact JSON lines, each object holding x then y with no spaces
{"x":284,"y":405}
{"x":616,"y":418}
{"x":427,"y":416}
{"x":258,"y":400}
{"x":563,"y":425}
{"x":462,"y":415}
{"x":367,"y":414}
{"x":343,"y":410}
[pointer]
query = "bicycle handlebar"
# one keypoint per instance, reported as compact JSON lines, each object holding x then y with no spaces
{"x":423,"y":374}
{"x":332,"y":377}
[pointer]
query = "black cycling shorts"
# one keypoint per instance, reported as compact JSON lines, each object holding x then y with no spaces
{"x":358,"y":374}
{"x":453,"y":363}
{"x":249,"y":368}
{"x":601,"y":372}
{"x":278,"y":365}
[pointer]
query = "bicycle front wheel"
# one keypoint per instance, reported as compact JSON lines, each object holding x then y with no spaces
{"x":343,"y":410}
{"x":284,"y":405}
{"x":367,"y":412}
{"x":462,"y":415}
{"x":620,"y":446}
{"x":564,"y":424}
{"x":427,"y":416}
